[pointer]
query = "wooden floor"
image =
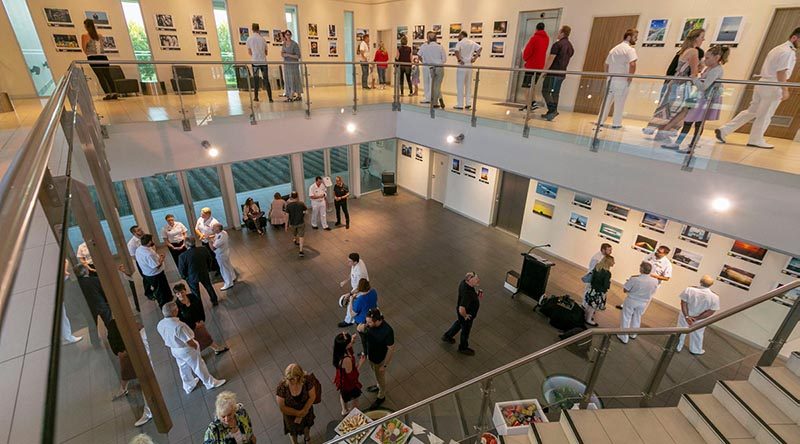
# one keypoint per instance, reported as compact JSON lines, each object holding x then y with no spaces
{"x":283,"y":310}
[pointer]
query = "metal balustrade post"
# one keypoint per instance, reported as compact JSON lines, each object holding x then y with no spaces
{"x":486,"y":402}
{"x":250,"y":92}
{"x":187,"y":126}
{"x":397,"y":80}
{"x":308,"y":91}
{"x":431,"y":73}
{"x":776,"y":343}
{"x":659,"y":370}
{"x":593,"y":145}
{"x":526,"y":128}
{"x":594,"y":371}
{"x":355,"y":90}
{"x":474,"y":118}
{"x":687,"y":161}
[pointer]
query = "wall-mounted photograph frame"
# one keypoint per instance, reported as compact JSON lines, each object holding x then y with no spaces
{"x":500,"y":28}
{"x":582,"y":200}
{"x":169,"y":42}
{"x":419,"y":33}
{"x":402,"y":31}
{"x":498,"y":49}
{"x":792,"y":267}
{"x":438,"y":30}
{"x":198,"y":24}
{"x":201,"y":46}
{"x":736,"y":277}
{"x":617,"y":211}
{"x":360,"y":33}
{"x":58,"y":17}
{"x":333,"y":48}
{"x":66,"y":43}
{"x":688,"y":25}
{"x":695,"y":235}
{"x":109,"y":44}
{"x":244,"y":34}
{"x":476,"y":30}
{"x":406,"y":150}
{"x":547,"y":189}
{"x":418,"y":154}
{"x":543,"y":208}
{"x":277,"y":37}
{"x":656,"y":34}
{"x":484,"y":177}
{"x":451,"y":47}
{"x":313,"y":31}
{"x":456,"y":166}
{"x":610,"y":232}
{"x":788,"y":298}
{"x":313,"y":48}
{"x":331,"y":31}
{"x":455,"y":29}
{"x":645,"y":244}
{"x":100,"y":19}
{"x":654,"y":222}
{"x":686,"y":258}
{"x":578,"y":221}
{"x":729,"y":31}
{"x":748,"y":252}
{"x":164,"y":22}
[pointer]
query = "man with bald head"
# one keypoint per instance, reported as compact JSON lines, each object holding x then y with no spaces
{"x":697,"y":303}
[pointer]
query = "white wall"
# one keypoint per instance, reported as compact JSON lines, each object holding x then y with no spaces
{"x":14,"y":78}
{"x":469,"y":195}
{"x":414,"y":174}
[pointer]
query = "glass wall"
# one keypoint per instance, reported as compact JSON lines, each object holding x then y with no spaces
{"x":164,"y":196}
{"x":205,"y":191}
{"x":340,"y":164}
{"x":126,"y":218}
{"x":313,"y":166}
{"x":141,"y":46}
{"x":375,"y":158}
{"x":261,"y":179}
{"x":22,"y":23}
{"x":224,"y":38}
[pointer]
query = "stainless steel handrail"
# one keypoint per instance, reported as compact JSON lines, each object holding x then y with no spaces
{"x":20,"y":185}
{"x":573,"y":340}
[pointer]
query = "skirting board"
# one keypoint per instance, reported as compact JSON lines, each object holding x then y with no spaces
{"x":465,"y":215}
{"x":413,"y":192}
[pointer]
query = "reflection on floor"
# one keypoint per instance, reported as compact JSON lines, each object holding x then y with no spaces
{"x":283,"y":309}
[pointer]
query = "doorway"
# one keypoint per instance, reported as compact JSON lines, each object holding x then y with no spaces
{"x":783,"y":125}
{"x":606,"y":33}
{"x":527,"y":26}
{"x":511,"y":203}
{"x":439,"y":176}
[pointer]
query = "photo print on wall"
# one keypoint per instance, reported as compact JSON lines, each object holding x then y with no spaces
{"x":543,"y":208}
{"x":438,"y":30}
{"x":401,"y":32}
{"x":277,"y":37}
{"x":456,"y":166}
{"x":419,"y":32}
{"x":313,"y":48}
{"x":360,"y":33}
{"x":736,"y":276}
{"x":169,"y":42}
{"x":697,"y":236}
{"x":198,"y":24}
{"x":582,"y":200}
{"x":244,"y":34}
{"x":109,"y":44}
{"x":331,"y":31}
{"x":546,"y":190}
{"x":498,"y":49}
{"x":66,"y":43}
{"x":654,"y":222}
{"x":418,"y":154}
{"x":455,"y":29}
{"x":201,"y":43}
{"x":264,"y":33}
{"x":792,"y":267}
{"x":645,"y":244}
{"x":58,"y":17}
{"x":610,"y":232}
{"x":405,"y":150}
{"x":469,"y":170}
{"x":313,"y":34}
{"x":451,"y":47}
{"x":686,"y":259}
{"x":484,"y":175}
{"x":729,"y":31}
{"x":164,"y":22}
{"x":100,"y":19}
{"x":333,"y":48}
{"x":476,"y":30}
{"x":748,"y":252}
{"x":787,"y":298}
{"x":578,"y":221}
{"x":617,"y":211}
{"x":500,"y":29}
{"x":656,"y":35}
{"x":689,"y":25}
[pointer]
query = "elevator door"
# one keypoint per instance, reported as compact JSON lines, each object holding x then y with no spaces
{"x":527,"y":26}
{"x":511,"y":205}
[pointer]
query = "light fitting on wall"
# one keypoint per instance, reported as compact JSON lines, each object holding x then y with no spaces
{"x":455,"y":139}
{"x":211,"y":150}
{"x":721,"y":204}
{"x":351,"y":127}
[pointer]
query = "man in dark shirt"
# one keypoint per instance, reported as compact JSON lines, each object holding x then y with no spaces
{"x":558,"y":60}
{"x":379,"y":342}
{"x":468,"y":305}
{"x":95,"y":299}
{"x":340,"y":195}
{"x":296,"y":210}
{"x":194,"y":265}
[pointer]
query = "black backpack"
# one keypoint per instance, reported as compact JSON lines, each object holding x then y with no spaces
{"x":564,"y":313}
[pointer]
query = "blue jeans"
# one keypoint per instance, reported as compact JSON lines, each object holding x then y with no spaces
{"x":382,"y":76}
{"x":551,"y":89}
{"x":364,"y":75}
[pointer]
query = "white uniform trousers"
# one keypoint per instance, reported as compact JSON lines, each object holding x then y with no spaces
{"x":632,"y":312}
{"x":66,"y":327}
{"x":190,"y":363}
{"x":695,"y":338}
{"x":617,"y":94}
{"x":226,"y":269}
{"x":347,"y":317}
{"x":765,"y":101}
{"x":463,"y":86}
{"x":426,"y":82}
{"x":318,"y":214}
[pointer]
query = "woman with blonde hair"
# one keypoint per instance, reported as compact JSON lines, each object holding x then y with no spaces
{"x":381,"y":58}
{"x":232,"y":423}
{"x":595,"y":298}
{"x":295,"y":397}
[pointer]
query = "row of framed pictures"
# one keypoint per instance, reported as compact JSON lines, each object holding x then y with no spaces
{"x":459,"y":166}
{"x":499,"y":29}
{"x":61,"y":17}
{"x":729,"y":30}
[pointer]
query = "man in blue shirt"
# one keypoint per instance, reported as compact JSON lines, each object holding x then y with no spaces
{"x":365,"y":298}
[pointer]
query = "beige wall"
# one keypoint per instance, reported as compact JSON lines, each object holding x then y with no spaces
{"x":13,"y":70}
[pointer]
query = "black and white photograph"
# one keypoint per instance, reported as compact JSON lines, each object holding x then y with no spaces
{"x":198,"y":24}
{"x":313,"y":48}
{"x":405,"y":150}
{"x":164,"y":22}
{"x":792,"y":267}
{"x":66,"y":43}
{"x":277,"y":37}
{"x":109,"y":44}
{"x":697,"y":236}
{"x":654,"y":222}
{"x":58,"y":17}
{"x":202,"y":45}
{"x":729,"y":31}
{"x":100,"y":19}
{"x":645,"y":244}
{"x":331,"y":31}
{"x":438,"y":30}
{"x":500,"y":29}
{"x":419,"y":32}
{"x":736,"y":276}
{"x":418,"y":154}
{"x":617,"y":211}
{"x":578,"y":221}
{"x":686,"y":259}
{"x":313,"y":34}
{"x":333,"y":48}
{"x":582,"y":200}
{"x":169,"y":42}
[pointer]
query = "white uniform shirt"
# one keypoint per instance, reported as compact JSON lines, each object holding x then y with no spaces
{"x":175,"y":233}
{"x":595,"y":259}
{"x":175,"y":333}
{"x":318,"y":190}
{"x":258,"y":47}
{"x":205,"y":226}
{"x":432,"y":54}
{"x":221,"y":245}
{"x":363,"y":51}
{"x":358,"y":272}
{"x":779,"y":58}
{"x":148,"y":261}
{"x":83,"y":253}
{"x":661,"y":267}
{"x":619,"y":59}
{"x":467,"y":49}
{"x":133,"y":244}
{"x":700,"y":299}
{"x":640,"y":288}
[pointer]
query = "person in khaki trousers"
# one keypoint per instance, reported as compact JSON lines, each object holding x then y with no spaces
{"x":379,"y":342}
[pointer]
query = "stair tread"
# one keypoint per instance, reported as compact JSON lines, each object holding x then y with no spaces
{"x":677,"y":426}
{"x":618,"y":426}
{"x":648,"y":427}
{"x":588,"y":426}
{"x":758,"y":403}
{"x":551,"y":433}
{"x":788,"y":380}
{"x":720,"y":417}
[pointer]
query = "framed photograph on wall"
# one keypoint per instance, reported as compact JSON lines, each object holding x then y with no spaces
{"x":198,"y":24}
{"x":333,"y":48}
{"x":484,"y":177}
{"x":582,"y":200}
{"x":654,"y":222}
{"x":610,"y":232}
{"x":331,"y":31}
{"x":788,"y":298}
{"x":656,"y":34}
{"x":455,"y":29}
{"x":100,"y":19}
{"x":66,"y":43}
{"x":729,"y":31}
{"x":402,"y":31}
{"x":476,"y":30}
{"x":277,"y":37}
{"x":500,"y":29}
{"x":697,"y":236}
{"x":244,"y":34}
{"x":169,"y":42}
{"x":109,"y":44}
{"x":58,"y":17}
{"x":164,"y":22}
{"x":456,"y":166}
{"x":645,"y":244}
{"x":360,"y":33}
{"x":451,"y":47}
{"x":689,"y":25}
{"x":498,"y":49}
{"x":438,"y":30}
{"x":201,"y":45}
{"x":546,"y":190}
{"x":748,"y":252}
{"x":543,"y":208}
{"x":419,"y":32}
{"x":792,"y":267}
{"x":418,"y":154}
{"x":578,"y":221}
{"x":686,"y":258}
{"x":617,"y":211}
{"x":736,"y":276}
{"x":313,"y":48}
{"x":313,"y":33}
{"x":264,"y":33}
{"x":406,"y":150}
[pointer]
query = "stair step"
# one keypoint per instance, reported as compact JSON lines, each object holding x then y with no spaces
{"x":585,"y":427}
{"x":767,"y":380}
{"x":766,"y":410}
{"x":677,"y":427}
{"x":547,"y":433}
{"x":786,"y":379}
{"x":755,"y":411}
{"x":793,"y":363}
{"x":712,"y":419}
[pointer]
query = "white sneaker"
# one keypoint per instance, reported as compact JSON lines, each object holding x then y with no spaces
{"x":649,"y":130}
{"x":226,"y":287}
{"x":218,"y":383}
{"x":72,"y":340}
{"x":146,"y":417}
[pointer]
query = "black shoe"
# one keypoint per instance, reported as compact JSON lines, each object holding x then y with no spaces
{"x":372,"y":389}
{"x":255,"y":99}
{"x":270,"y":100}
{"x":550,"y":116}
{"x":719,"y":136}
{"x":377,"y":403}
{"x":337,"y":224}
{"x":214,"y":303}
{"x":448,"y":339}
{"x":618,"y":307}
{"x":301,"y":254}
{"x":347,"y":226}
{"x":327,"y":228}
{"x":221,"y":351}
{"x":468,"y":107}
{"x":467,"y":351}
{"x":344,"y":324}
{"x":314,"y":228}
{"x":441,"y":103}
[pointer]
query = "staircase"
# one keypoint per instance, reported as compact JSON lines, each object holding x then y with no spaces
{"x":763,"y":409}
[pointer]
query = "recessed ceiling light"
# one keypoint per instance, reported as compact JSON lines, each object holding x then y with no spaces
{"x":721,"y":204}
{"x":351,"y":128}
{"x":213,"y":152}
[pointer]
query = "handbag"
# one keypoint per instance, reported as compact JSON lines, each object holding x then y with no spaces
{"x":317,"y":387}
{"x":202,"y":336}
{"x":126,"y":371}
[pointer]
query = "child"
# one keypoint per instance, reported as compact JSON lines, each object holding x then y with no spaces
{"x":415,"y":75}
{"x":346,"y":380}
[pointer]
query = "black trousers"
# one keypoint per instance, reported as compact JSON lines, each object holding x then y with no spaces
{"x":161,"y":288}
{"x":463,"y":325}
{"x":341,"y":205}
{"x":135,"y":296}
{"x":176,"y":253}
{"x":148,"y":288}
{"x":194,"y":287}
{"x":405,"y":71}
{"x":364,"y":75}
{"x":103,"y":74}
{"x":551,"y":90}
{"x":265,"y":76}
{"x":214,"y":263}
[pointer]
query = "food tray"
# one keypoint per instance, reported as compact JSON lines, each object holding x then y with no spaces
{"x":400,"y":434}
{"x":358,"y":439}
{"x":500,"y":423}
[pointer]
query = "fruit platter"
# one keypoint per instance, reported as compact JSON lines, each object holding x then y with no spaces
{"x":352,"y":421}
{"x":391,"y":432}
{"x":515,"y":417}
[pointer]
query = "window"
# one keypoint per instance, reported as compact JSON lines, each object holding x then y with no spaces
{"x":21,"y":22}
{"x":313,"y":166}
{"x":205,"y":191}
{"x":261,"y":179}
{"x":126,"y":218}
{"x":164,"y":196}
{"x":339,"y":164}
{"x":349,"y":36}
{"x":291,"y":20}
{"x":375,"y":158}
{"x":141,"y":46}
{"x":225,"y":45}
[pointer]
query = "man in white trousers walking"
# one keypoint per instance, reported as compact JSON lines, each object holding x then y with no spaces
{"x":426,"y":73}
{"x":222,"y":250}
{"x":318,"y":193}
{"x":697,"y":303}
{"x":467,"y":52}
{"x":621,"y":60}
{"x":186,"y":351}
{"x":639,"y":290}
{"x":777,"y":67}
{"x":358,"y":271}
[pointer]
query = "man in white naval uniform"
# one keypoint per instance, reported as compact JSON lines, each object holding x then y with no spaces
{"x":697,"y":303}
{"x":467,"y":52}
{"x":318,"y":193}
{"x":639,"y":290}
{"x":358,"y":271}
{"x":204,"y":228}
{"x":222,"y":249}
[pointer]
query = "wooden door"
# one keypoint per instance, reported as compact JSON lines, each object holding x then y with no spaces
{"x":607,"y":32}
{"x":784,"y":123}
{"x":511,"y":205}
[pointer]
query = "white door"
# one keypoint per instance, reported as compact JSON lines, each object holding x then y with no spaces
{"x":439,"y":177}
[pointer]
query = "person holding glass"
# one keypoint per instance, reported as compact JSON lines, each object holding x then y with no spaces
{"x":253,"y":216}
{"x":290,"y":51}
{"x":295,"y":398}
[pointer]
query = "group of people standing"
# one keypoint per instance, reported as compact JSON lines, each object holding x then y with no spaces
{"x":258,"y":49}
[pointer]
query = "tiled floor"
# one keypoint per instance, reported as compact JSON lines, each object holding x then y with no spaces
{"x":283,"y":310}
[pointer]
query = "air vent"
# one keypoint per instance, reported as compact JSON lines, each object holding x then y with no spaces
{"x":783,"y":121}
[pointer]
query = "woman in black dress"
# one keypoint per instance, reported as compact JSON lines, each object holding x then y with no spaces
{"x":295,"y":397}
